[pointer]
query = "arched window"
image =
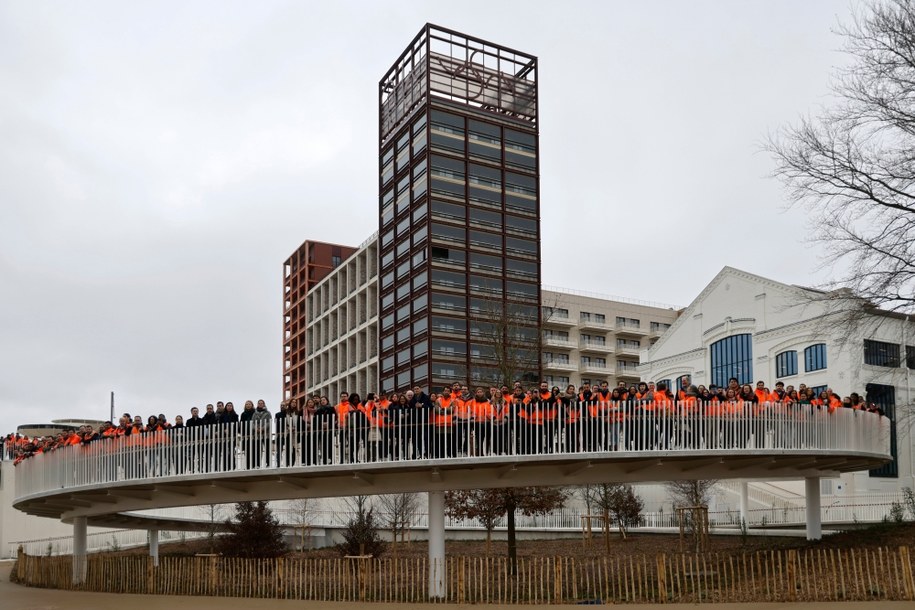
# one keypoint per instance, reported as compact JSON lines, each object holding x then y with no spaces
{"x":786,"y":364}
{"x":815,"y":357}
{"x":732,"y":357}
{"x":678,"y":384}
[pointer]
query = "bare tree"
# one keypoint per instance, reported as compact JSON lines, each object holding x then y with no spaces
{"x":511,"y":336}
{"x":398,"y":512}
{"x":490,"y":505}
{"x":618,"y":504}
{"x":301,"y":513}
{"x":691,"y":494}
{"x":215,"y":515}
{"x":853,"y":167}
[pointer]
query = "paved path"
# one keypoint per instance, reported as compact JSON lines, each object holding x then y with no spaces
{"x":16,"y":597}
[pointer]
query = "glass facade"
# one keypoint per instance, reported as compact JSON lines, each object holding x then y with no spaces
{"x":459,"y":228}
{"x":732,"y":357}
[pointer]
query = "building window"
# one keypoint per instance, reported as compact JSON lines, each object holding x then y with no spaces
{"x":597,"y":318}
{"x":558,"y":313}
{"x":561,"y":335}
{"x":679,"y":383}
{"x":786,"y":363}
{"x":884,"y":396}
{"x":815,"y":357}
{"x":732,"y":357}
{"x":658,"y":327}
{"x":817,"y":390}
{"x":878,"y":353}
{"x":624,"y":322}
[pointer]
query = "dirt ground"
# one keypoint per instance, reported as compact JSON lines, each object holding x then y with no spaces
{"x":16,"y":597}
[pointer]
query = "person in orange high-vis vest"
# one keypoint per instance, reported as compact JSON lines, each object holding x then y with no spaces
{"x":461,"y":421}
{"x":443,"y":425}
{"x":599,"y":419}
{"x":663,"y":404}
{"x":482,"y":413}
{"x":366,"y":431}
{"x":382,"y":427}
{"x":762,"y":392}
{"x":345,"y":436}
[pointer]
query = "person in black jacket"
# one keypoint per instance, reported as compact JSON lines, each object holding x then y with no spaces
{"x":227,"y":441}
{"x":193,"y":439}
{"x":324,"y":424}
{"x":421,"y":410}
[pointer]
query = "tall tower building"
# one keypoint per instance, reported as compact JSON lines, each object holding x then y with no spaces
{"x":459,"y":207}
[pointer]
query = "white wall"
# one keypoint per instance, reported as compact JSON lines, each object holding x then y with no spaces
{"x":782,"y":317}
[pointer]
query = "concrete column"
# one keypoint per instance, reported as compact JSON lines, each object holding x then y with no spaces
{"x":154,"y":546}
{"x":79,"y":550}
{"x":437,"y":544}
{"x":744,"y":505}
{"x":812,"y":493}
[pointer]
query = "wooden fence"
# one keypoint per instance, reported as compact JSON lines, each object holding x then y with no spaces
{"x":772,"y":576}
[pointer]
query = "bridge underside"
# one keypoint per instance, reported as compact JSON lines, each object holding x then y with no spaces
{"x":107,"y":505}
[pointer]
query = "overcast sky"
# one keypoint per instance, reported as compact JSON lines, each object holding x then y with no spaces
{"x":160,"y":160}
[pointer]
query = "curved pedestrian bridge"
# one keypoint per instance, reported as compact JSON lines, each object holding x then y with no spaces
{"x":101,"y":482}
{"x":233,"y":462}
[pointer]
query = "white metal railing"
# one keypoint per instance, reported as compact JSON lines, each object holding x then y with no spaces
{"x":113,"y":540}
{"x":767,"y":499}
{"x":398,"y":435}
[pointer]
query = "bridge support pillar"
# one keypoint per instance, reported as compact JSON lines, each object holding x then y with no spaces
{"x":79,"y":550}
{"x":154,"y":546}
{"x":437,"y":544}
{"x":744,"y":505}
{"x":812,"y":493}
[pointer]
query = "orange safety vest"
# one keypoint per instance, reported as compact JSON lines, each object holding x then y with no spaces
{"x":481,"y":411}
{"x":367,"y":409}
{"x":343,"y":409}
{"x":446,"y":418}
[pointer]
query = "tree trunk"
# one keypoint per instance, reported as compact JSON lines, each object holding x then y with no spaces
{"x":488,"y":539}
{"x":512,"y":542}
{"x":606,"y":529}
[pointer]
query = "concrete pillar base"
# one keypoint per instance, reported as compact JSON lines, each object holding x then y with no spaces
{"x":79,"y":550}
{"x":814,"y":523}
{"x":437,"y":545}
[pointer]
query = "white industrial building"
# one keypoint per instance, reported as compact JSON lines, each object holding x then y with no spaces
{"x":746,"y":326}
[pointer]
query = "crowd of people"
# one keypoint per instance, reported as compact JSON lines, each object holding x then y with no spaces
{"x":454,"y":422}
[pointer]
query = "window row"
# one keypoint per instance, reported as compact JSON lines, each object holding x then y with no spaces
{"x":814,"y":360}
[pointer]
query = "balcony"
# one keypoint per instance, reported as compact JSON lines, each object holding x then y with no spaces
{"x":632,"y":330}
{"x":595,"y":368}
{"x":591,"y":324}
{"x":594,"y":346}
{"x":656,"y":332}
{"x":557,"y":342}
{"x":558,"y":321}
{"x":624,"y":371}
{"x":559,"y":365}
{"x":628,"y":350}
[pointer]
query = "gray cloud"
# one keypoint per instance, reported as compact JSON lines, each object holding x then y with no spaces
{"x":160,"y":161}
